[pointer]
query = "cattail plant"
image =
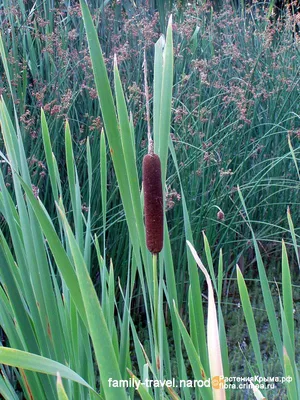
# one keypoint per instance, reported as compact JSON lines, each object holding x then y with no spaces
{"x":154,"y":217}
{"x":153,"y":194}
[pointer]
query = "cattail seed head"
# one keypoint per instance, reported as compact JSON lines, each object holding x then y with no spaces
{"x":153,"y":203}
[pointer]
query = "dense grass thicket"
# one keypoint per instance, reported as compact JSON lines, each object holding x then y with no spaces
{"x":225,"y":113}
{"x":235,"y":102}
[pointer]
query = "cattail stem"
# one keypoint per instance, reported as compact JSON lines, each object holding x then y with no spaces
{"x":150,"y":141}
{"x":156,"y":310}
{"x":155,"y":286}
{"x":152,"y":186}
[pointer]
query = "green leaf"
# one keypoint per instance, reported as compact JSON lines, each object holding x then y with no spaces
{"x":140,"y":388}
{"x":268,"y":301}
{"x":101,"y":338}
{"x":248,"y":313}
{"x":58,"y":251}
{"x":48,"y":153}
{"x":166,"y":101}
{"x":289,"y":374}
{"x":111,"y":126}
{"x":61,"y":393}
{"x":292,"y":230}
{"x":194,"y":358}
{"x":22,"y":359}
{"x":287,"y":294}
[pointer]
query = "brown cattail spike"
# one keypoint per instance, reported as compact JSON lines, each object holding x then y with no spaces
{"x":153,"y":203}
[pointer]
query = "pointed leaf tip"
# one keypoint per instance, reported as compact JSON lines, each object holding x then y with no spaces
{"x":59,"y":381}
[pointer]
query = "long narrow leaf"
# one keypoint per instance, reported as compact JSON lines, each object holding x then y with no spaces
{"x":104,"y":351}
{"x":33,"y":362}
{"x":213,"y":339}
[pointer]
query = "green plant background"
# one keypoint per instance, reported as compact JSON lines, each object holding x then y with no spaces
{"x":225,"y":116}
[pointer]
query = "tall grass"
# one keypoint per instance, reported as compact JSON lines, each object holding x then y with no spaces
{"x":54,"y":324}
{"x":234,"y":101}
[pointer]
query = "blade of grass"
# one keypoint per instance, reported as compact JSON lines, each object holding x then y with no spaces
{"x":61,"y":393}
{"x":199,"y":340}
{"x":248,"y":313}
{"x":257,"y":393}
{"x":33,"y":362}
{"x":158,"y":62}
{"x":292,"y":230}
{"x":166,"y":101}
{"x":287,"y":294}
{"x":103,"y":173}
{"x":289,"y":372}
{"x":213,"y":339}
{"x":104,"y":351}
{"x":269,"y":305}
{"x":139,"y":387}
{"x":73,"y":185}
{"x":129,"y":158}
{"x":110,"y":122}
{"x":48,"y":153}
{"x":58,"y":251}
{"x":194,"y":358}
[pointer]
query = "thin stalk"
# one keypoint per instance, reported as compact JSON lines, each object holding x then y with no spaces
{"x":150,"y":141}
{"x":155,"y":295}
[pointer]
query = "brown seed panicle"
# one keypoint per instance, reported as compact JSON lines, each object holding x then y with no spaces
{"x":153,"y":203}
